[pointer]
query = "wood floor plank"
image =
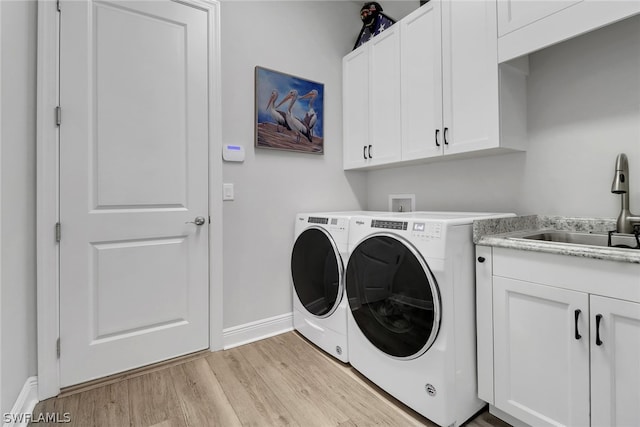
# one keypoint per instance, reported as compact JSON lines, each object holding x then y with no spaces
{"x":308,"y":408}
{"x":201,"y":397}
{"x":153,"y":400}
{"x":250,"y":396}
{"x":353,"y":398}
{"x":61,"y":408}
{"x":103,"y":406}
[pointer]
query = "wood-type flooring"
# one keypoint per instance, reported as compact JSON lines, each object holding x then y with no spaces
{"x":280,"y":381}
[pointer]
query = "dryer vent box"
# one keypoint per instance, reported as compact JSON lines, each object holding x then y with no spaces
{"x":402,"y":202}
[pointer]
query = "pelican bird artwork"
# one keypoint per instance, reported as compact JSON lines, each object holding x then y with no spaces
{"x":310,"y":118}
{"x":278,"y":116}
{"x":295,"y":124}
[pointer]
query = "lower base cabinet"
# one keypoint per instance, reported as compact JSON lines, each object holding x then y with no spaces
{"x":559,"y":355}
{"x":615,"y":362}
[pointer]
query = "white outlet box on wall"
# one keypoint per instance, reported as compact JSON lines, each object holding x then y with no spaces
{"x":402,"y":202}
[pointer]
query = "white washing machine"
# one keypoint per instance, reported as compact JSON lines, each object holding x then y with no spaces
{"x":410,"y":285}
{"x":317,"y":270}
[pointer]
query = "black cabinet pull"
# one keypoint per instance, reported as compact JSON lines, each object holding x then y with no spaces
{"x":577,"y":314}
{"x":446,"y":134}
{"x":364,"y":151}
{"x":598,"y":319}
{"x":481,"y":259}
{"x":437,"y":132}
{"x":370,"y":152}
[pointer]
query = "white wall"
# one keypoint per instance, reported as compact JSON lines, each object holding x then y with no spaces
{"x":18,"y":279}
{"x":583,"y":109}
{"x":306,"y":39}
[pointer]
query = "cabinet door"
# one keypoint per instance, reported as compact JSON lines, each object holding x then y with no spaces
{"x":615,"y":362}
{"x":514,"y":14}
{"x":384,"y":123}
{"x":470,"y":76}
{"x":355,"y":88}
{"x":421,"y":67}
{"x":541,"y":367}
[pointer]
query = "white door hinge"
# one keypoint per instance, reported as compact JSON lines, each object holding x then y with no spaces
{"x":58,"y":231}
{"x":58,"y":115}
{"x":58,"y":347}
{"x":58,"y":5}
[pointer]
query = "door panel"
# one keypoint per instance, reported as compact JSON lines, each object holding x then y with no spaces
{"x":470,"y":76}
{"x":615,"y":363}
{"x":384,"y":87}
{"x":355,"y":72}
{"x":150,"y":264}
{"x":129,"y":132}
{"x":541,"y":369}
{"x":421,"y":68}
{"x":134,"y":173}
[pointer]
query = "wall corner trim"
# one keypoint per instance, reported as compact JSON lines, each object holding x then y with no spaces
{"x":25,"y":403}
{"x":258,"y":330}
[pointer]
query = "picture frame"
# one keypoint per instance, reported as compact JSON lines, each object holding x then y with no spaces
{"x":289,"y":112}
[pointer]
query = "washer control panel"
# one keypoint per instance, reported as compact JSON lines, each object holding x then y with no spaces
{"x":389,"y":225}
{"x":426,"y":230}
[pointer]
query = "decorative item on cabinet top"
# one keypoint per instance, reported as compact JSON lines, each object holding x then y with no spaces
{"x":289,"y":112}
{"x":373,"y":22}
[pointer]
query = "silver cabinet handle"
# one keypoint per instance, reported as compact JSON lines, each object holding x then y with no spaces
{"x":198,"y":221}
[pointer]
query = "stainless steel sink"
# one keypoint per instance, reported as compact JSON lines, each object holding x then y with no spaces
{"x":589,"y":239}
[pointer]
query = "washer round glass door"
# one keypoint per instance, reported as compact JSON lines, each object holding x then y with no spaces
{"x":393,"y":296}
{"x":317,"y":271}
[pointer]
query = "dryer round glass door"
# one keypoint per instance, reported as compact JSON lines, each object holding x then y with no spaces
{"x":393,"y":296}
{"x":317,"y":271}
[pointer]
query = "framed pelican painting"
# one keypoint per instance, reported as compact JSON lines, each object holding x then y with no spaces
{"x":289,"y":112}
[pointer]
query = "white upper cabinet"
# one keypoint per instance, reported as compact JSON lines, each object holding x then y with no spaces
{"x":434,"y":89}
{"x":355,"y":125}
{"x":384,"y":108}
{"x":514,"y":14}
{"x":527,"y":26}
{"x":371,"y":96}
{"x":470,"y":76}
{"x":421,"y":66}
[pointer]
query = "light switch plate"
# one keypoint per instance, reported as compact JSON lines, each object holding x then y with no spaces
{"x":227,"y":191}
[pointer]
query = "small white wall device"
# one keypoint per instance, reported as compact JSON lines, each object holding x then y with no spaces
{"x":233,"y":153}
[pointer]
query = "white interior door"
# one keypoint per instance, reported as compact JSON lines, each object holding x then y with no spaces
{"x":134,"y":171}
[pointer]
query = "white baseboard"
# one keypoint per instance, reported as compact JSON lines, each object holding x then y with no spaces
{"x":20,"y":414}
{"x":255,"y":331}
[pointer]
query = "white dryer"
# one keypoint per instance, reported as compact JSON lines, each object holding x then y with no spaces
{"x":317,"y":269}
{"x":410,"y":285}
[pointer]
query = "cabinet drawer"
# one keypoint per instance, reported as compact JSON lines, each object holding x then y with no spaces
{"x":601,"y":277}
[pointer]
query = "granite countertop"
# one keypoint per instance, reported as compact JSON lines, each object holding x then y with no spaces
{"x":505,"y":233}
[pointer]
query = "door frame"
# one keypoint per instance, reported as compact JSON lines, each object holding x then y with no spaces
{"x":48,"y":189}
